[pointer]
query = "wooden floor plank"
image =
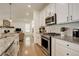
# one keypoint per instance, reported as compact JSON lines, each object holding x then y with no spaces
{"x":32,"y":50}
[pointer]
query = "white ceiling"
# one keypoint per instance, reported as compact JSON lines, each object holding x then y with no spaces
{"x":19,"y":10}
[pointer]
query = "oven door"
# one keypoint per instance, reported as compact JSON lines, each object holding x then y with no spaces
{"x":46,"y":44}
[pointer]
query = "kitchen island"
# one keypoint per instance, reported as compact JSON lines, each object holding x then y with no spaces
{"x":9,"y":45}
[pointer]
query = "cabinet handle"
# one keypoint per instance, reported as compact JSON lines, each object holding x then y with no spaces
{"x":67,"y":53}
{"x":67,"y":44}
{"x":67,"y":18}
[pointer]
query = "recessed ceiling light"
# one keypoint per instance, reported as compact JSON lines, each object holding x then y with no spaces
{"x":27,"y":14}
{"x":29,"y":6}
{"x":10,"y":20}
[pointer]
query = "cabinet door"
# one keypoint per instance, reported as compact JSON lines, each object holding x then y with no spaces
{"x":52,"y":9}
{"x":74,"y":53}
{"x":53,"y":46}
{"x":42,"y":18}
{"x":62,"y":51}
{"x":39,"y":39}
{"x":62,"y":12}
{"x":70,"y":10}
{"x":75,"y":15}
{"x":48,"y":11}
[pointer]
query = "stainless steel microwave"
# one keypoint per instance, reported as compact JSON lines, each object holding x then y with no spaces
{"x":51,"y":20}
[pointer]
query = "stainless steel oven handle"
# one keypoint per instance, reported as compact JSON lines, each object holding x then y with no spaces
{"x":45,"y":38}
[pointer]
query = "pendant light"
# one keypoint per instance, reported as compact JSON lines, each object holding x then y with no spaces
{"x":10,"y":19}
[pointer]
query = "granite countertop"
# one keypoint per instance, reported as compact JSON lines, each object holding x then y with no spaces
{"x":68,"y":38}
{"x":5,"y":42}
{"x":65,"y":38}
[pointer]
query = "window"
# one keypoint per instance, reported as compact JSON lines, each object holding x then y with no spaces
{"x":27,"y":27}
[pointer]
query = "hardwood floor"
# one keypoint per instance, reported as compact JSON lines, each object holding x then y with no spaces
{"x":31,"y":50}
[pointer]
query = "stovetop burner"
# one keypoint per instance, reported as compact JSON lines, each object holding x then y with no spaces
{"x":52,"y":34}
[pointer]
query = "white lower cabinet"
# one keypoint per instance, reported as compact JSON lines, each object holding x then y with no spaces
{"x":74,"y":53}
{"x":64,"y":48}
{"x":53,"y":46}
{"x":39,"y":39}
{"x":62,"y":51}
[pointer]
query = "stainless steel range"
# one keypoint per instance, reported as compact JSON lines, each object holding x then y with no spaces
{"x":46,"y":42}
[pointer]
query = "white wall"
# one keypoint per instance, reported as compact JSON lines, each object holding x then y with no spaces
{"x":70,"y":26}
{"x":1,"y":22}
{"x":20,"y":24}
{"x":36,"y":19}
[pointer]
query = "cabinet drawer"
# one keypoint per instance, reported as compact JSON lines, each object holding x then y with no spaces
{"x":62,"y":51}
{"x":74,"y":46}
{"x":69,"y":45}
{"x":74,"y":53}
{"x":62,"y":42}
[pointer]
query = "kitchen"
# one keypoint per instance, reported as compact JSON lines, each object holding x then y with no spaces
{"x":64,"y":28}
{"x":54,"y":28}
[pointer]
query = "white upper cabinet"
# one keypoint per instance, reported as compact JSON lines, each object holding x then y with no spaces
{"x":42,"y":18}
{"x":62,"y":12}
{"x":75,"y":12}
{"x":66,"y":12}
{"x":52,"y":9}
{"x":49,"y":10}
{"x":70,"y":10}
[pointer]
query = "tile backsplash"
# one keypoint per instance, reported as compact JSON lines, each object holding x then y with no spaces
{"x":56,"y":28}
